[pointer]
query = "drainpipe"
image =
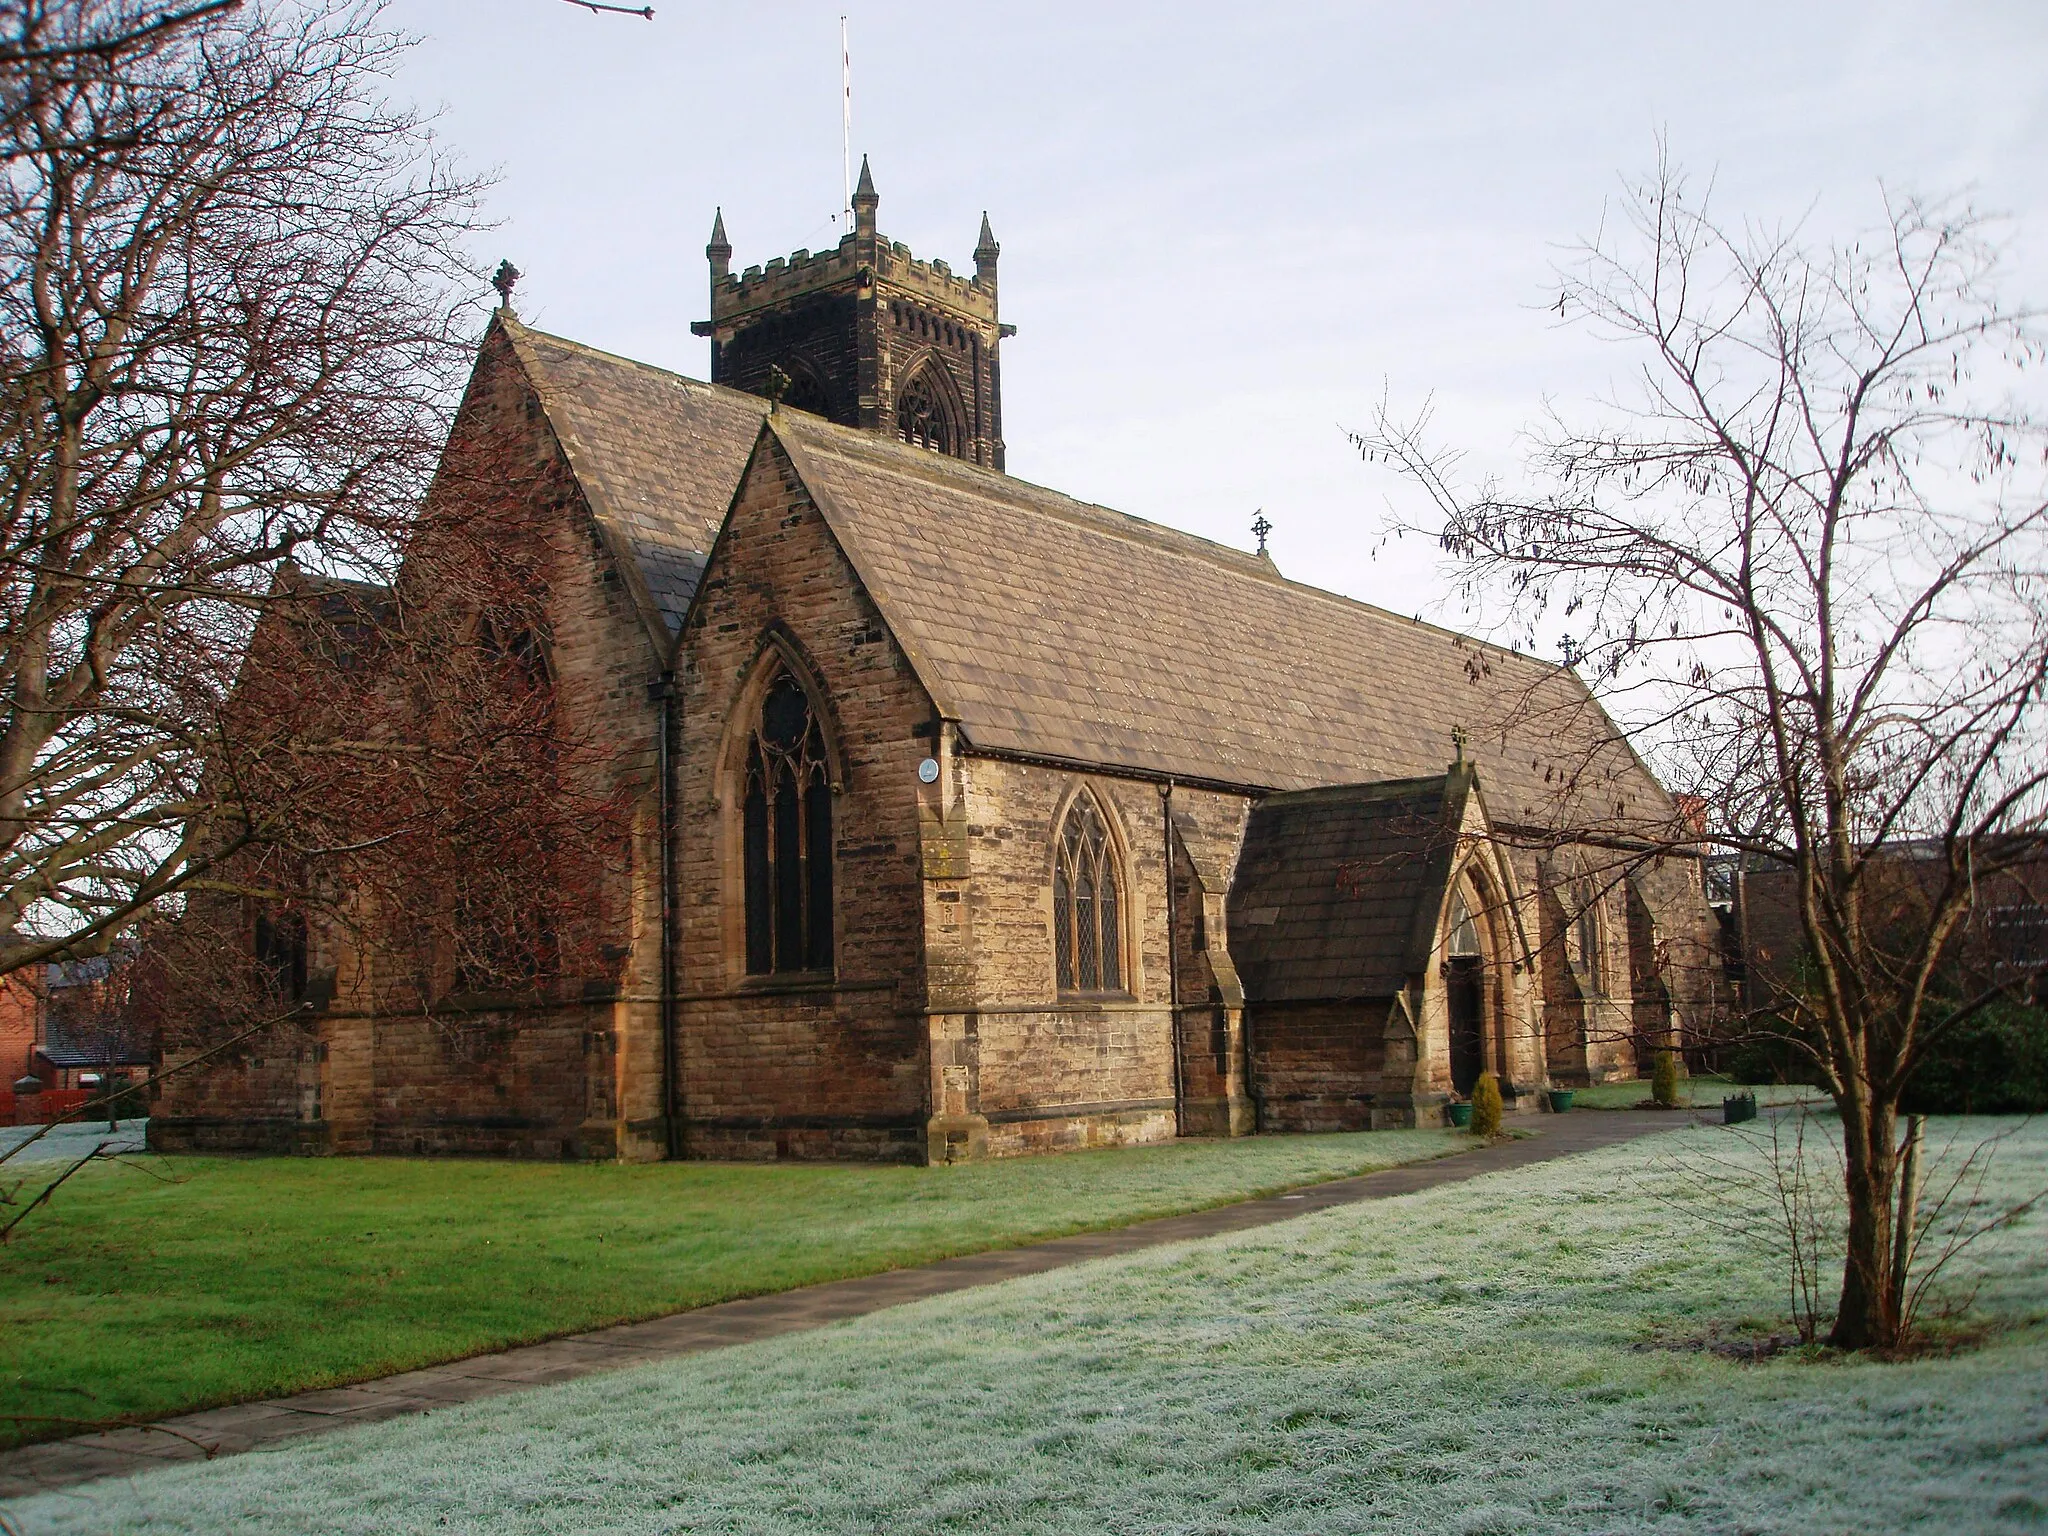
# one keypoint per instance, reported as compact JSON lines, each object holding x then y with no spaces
{"x":1173,"y":959}
{"x":671,"y":1115}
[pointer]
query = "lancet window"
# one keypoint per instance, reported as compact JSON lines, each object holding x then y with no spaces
{"x":786,"y":815}
{"x":1087,"y":914}
{"x":922,"y":417}
{"x":1582,"y":938}
{"x":281,"y":952}
{"x":1464,"y":938}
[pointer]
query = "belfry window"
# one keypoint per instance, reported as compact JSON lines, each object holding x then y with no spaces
{"x":922,"y":419}
{"x":807,"y":393}
{"x":786,"y":828}
{"x":1086,"y":913}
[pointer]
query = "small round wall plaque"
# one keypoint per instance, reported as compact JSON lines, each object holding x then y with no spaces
{"x":928,"y":770}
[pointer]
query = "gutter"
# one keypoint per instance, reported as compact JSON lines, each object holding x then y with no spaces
{"x":671,"y":1108}
{"x":1172,"y":959}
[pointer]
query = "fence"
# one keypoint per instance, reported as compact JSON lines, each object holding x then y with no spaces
{"x":40,"y":1108}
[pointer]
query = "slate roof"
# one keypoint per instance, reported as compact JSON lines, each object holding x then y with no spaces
{"x":1052,"y":627}
{"x":658,"y":456}
{"x":1330,"y":885}
{"x":1058,"y":629}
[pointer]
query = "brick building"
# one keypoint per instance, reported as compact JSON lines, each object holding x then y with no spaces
{"x":973,"y":819}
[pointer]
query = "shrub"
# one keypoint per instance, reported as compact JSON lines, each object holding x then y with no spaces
{"x":1664,"y":1081}
{"x":1995,"y":1064}
{"x":1486,"y":1106}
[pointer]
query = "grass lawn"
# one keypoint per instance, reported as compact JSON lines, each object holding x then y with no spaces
{"x":1705,"y":1091}
{"x":222,"y":1279}
{"x":1489,"y":1357}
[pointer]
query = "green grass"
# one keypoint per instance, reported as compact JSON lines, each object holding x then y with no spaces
{"x":1499,"y":1356}
{"x":1704,"y":1091}
{"x":221,"y":1279}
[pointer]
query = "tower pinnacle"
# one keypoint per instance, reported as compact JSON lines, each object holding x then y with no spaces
{"x":985,"y":253}
{"x":719,"y":251}
{"x":865,"y":200}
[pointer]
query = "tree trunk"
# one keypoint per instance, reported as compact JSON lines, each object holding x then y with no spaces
{"x":1867,"y":1316}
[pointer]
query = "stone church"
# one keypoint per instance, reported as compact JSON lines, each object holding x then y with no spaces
{"x":972,"y":819}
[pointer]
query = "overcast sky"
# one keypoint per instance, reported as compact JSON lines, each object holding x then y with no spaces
{"x":1226,"y":228}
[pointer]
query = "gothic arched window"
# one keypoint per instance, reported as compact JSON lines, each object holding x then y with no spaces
{"x":786,"y":829}
{"x":281,"y":952}
{"x":1464,"y":938}
{"x":1086,"y":913}
{"x":922,"y":418}
{"x":1582,"y":939}
{"x":806,"y":392}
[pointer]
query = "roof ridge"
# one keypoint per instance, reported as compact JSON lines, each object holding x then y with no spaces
{"x":528,"y":333}
{"x":1110,"y":519}
{"x":1375,"y":789}
{"x":1118,"y":523}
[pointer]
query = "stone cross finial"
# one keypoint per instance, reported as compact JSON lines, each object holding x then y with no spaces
{"x":776,"y":387}
{"x":506,"y":279}
{"x":1260,"y":528}
{"x":1458,"y":740}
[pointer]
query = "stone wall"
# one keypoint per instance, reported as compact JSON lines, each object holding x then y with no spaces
{"x":1316,"y":1066}
{"x":818,"y":1067}
{"x":573,"y":1071}
{"x":1028,"y":1069}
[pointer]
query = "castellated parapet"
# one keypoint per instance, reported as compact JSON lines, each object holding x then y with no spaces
{"x":867,"y":335}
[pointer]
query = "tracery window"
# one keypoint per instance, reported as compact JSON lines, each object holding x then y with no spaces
{"x":1086,"y":911}
{"x":806,"y":393}
{"x":786,"y":820}
{"x":922,"y":418}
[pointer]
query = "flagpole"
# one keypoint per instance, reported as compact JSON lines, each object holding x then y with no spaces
{"x":845,"y":123}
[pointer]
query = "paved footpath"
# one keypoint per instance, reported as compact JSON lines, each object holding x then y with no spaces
{"x":261,"y":1425}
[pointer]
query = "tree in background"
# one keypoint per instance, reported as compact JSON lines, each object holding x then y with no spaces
{"x":232,"y":315}
{"x":1803,"y":559}
{"x":275,"y":668}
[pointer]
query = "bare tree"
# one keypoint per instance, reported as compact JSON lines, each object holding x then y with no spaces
{"x":232,"y":304}
{"x":1802,"y":560}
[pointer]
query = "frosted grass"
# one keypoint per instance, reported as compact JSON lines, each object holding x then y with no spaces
{"x":1468,"y":1360}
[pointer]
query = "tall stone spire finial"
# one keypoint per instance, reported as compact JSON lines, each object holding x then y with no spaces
{"x":719,"y":251}
{"x":865,"y":201}
{"x":504,"y":280}
{"x":985,"y":253}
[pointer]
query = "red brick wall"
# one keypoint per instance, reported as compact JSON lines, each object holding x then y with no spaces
{"x":18,"y":1016}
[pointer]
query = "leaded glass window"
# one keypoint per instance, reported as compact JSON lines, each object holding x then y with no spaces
{"x":786,"y":832}
{"x":1087,"y":911}
{"x":1464,"y":940}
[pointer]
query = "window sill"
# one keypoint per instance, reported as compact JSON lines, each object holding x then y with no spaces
{"x":1084,"y":999}
{"x":791,"y":981}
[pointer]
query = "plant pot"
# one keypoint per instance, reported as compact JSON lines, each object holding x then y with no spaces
{"x":1560,"y":1100}
{"x":1461,"y":1115}
{"x":1738,"y":1109}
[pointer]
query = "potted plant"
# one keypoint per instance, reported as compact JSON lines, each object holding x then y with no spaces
{"x":1560,"y":1099}
{"x":1460,"y":1111}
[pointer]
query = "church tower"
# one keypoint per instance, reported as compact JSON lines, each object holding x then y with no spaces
{"x":867,"y":336}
